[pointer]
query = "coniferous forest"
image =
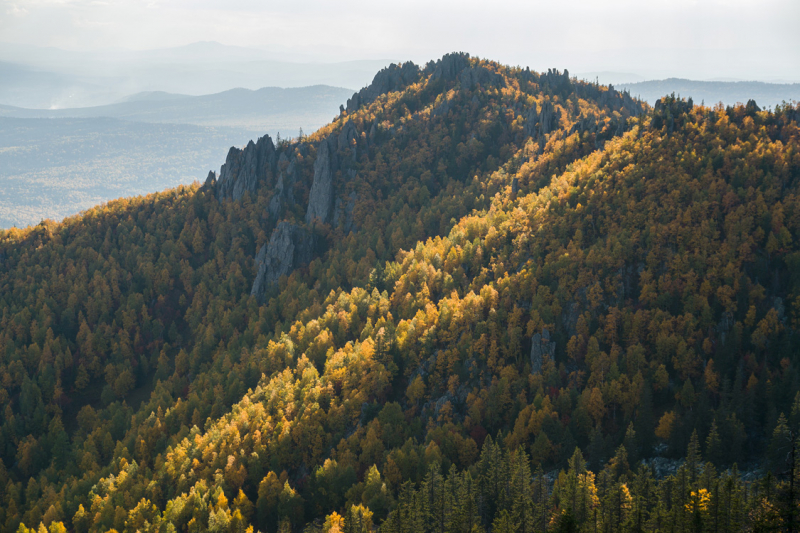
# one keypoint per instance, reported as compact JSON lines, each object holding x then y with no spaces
{"x":482,"y":299}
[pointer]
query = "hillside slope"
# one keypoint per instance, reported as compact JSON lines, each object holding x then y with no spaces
{"x":472,"y":268}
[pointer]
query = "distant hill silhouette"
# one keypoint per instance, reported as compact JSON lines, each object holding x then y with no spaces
{"x":269,"y":109}
{"x":727,"y":92}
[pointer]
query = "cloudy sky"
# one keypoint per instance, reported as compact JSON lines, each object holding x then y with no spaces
{"x":701,"y":39}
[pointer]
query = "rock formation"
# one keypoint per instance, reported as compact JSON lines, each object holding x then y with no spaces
{"x":348,"y":140}
{"x":541,"y":346}
{"x":283,"y":189}
{"x":548,"y":118}
{"x":532,"y":120}
{"x":449,"y":67}
{"x":320,"y":200}
{"x":472,"y":76}
{"x":244,"y":169}
{"x":211,"y":180}
{"x":539,"y":123}
{"x":392,"y":78}
{"x":289,"y":247}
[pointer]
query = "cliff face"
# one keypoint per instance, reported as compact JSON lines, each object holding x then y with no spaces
{"x":320,"y":200}
{"x":245,"y":168}
{"x":289,"y":247}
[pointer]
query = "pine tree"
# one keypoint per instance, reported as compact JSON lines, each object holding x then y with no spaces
{"x":434,"y":500}
{"x":714,"y":445}
{"x":490,"y":472}
{"x":522,"y":501}
{"x":693,"y":457}
{"x":631,"y":445}
{"x":642,"y":498}
{"x":541,"y":499}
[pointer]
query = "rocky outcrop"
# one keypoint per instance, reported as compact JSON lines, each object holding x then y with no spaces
{"x":283,"y":189}
{"x":548,"y":118}
{"x":320,"y":200}
{"x":211,"y":180}
{"x":289,"y":247}
{"x":348,"y":140}
{"x":555,"y":81}
{"x":539,"y":123}
{"x":245,"y":168}
{"x":532,"y":120}
{"x":541,"y":346}
{"x":336,"y":153}
{"x":276,"y":202}
{"x":392,"y":78}
{"x":474,"y":76}
{"x":449,"y":67}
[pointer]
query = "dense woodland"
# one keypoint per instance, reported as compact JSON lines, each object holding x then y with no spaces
{"x":533,"y":305}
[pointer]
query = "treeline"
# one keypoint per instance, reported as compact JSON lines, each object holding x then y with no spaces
{"x":504,"y":493}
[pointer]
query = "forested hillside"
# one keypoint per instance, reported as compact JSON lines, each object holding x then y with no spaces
{"x":482,"y":299}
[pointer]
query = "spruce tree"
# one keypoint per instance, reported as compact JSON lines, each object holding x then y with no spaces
{"x":522,"y":501}
{"x":693,"y":457}
{"x":714,"y":445}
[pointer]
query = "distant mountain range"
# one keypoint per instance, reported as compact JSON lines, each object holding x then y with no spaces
{"x":52,"y":78}
{"x":270,"y":109}
{"x":711,"y":92}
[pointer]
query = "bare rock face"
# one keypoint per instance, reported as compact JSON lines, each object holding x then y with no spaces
{"x":348,"y":140}
{"x":449,"y":67}
{"x":548,"y":118}
{"x":473,"y":76}
{"x":539,"y":123}
{"x":289,"y":247}
{"x":392,"y":78}
{"x":320,"y":200}
{"x":555,"y":81}
{"x":541,"y":346}
{"x":276,"y":202}
{"x":283,"y":189}
{"x":211,"y":180}
{"x":532,"y":120}
{"x":244,"y":169}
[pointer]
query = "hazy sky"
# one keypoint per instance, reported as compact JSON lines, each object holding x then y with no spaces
{"x":747,"y":39}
